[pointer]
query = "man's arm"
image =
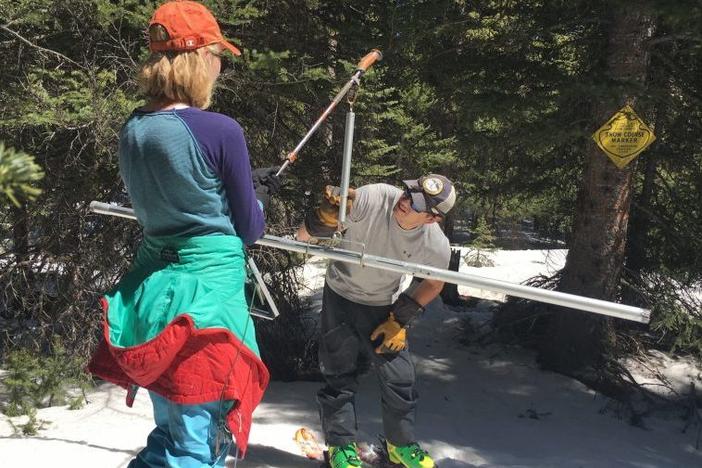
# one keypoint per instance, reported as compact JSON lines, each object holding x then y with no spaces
{"x":438,"y":255}
{"x":302,"y":235}
{"x":426,"y":291}
{"x":404,"y":311}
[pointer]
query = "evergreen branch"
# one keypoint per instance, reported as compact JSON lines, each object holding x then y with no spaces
{"x":40,"y":48}
{"x":677,"y":70}
{"x":672,"y":38}
{"x":17,"y":173}
{"x":120,"y":41}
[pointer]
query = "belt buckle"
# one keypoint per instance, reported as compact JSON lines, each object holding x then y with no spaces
{"x":170,"y":255}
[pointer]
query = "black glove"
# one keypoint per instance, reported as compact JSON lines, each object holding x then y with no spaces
{"x":406,"y":309}
{"x":266,"y":183}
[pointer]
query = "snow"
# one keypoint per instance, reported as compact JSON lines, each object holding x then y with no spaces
{"x":514,"y":266}
{"x":480,"y":406}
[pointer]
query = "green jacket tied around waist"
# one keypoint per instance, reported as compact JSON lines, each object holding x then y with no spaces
{"x":178,"y":324}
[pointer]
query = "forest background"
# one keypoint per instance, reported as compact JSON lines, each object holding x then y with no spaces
{"x":501,"y":96}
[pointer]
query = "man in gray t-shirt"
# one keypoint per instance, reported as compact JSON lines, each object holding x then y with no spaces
{"x":358,"y":312}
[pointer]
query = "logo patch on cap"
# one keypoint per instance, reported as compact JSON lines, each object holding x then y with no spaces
{"x":432,"y":186}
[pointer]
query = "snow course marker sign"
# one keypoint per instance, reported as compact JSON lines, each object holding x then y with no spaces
{"x":624,"y":136}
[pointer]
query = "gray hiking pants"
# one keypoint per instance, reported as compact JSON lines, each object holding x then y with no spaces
{"x":345,"y":336}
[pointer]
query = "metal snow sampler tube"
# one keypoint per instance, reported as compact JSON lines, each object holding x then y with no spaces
{"x":573,"y":301}
{"x":597,"y":306}
{"x":366,"y":62}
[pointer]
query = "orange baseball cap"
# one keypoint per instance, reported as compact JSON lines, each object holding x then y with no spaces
{"x":183,"y":25}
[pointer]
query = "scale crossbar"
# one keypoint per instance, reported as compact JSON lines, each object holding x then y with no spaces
{"x":588,"y":304}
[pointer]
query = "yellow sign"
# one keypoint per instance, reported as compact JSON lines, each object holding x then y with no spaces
{"x":624,"y":137}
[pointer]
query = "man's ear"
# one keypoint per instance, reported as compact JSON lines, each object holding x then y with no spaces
{"x":432,"y":218}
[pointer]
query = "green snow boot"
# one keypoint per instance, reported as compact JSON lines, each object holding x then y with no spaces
{"x":344,"y":456}
{"x":409,"y":456}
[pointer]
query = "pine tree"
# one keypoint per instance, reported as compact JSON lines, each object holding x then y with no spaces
{"x":482,"y":243}
{"x":18,"y":173}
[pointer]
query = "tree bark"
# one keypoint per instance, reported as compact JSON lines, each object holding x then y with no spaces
{"x":448,"y":226}
{"x":449,"y":293}
{"x":637,"y":256}
{"x":578,"y":342}
{"x":20,"y":234}
{"x":640,"y":224}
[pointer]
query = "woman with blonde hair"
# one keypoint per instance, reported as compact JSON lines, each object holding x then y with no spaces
{"x":177,"y":324}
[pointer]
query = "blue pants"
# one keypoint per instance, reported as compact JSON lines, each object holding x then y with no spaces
{"x":186,"y":436}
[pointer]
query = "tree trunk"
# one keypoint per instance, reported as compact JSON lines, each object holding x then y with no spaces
{"x":20,"y":235}
{"x":637,"y":255}
{"x":449,"y":294}
{"x":448,"y":225}
{"x":637,"y":248}
{"x":579,"y":341}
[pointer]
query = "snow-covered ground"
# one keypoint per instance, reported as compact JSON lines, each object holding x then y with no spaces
{"x":479,"y":407}
{"x":514,"y":266}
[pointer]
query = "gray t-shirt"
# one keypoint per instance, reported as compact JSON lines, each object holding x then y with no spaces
{"x":371,"y":222}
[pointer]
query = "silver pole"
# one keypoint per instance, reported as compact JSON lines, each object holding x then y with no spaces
{"x":112,"y":210}
{"x":339,"y":96}
{"x":266,"y":294}
{"x":128,"y":213}
{"x":588,"y":304}
{"x":573,"y":301}
{"x":346,"y":167}
{"x":363,"y":65}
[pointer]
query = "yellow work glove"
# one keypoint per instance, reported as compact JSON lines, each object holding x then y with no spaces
{"x":394,"y":336}
{"x":328,"y":210}
{"x":322,"y":221}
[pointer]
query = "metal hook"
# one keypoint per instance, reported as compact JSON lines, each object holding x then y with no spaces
{"x":353,"y":91}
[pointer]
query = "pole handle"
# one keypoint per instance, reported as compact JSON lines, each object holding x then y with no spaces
{"x":289,"y":159}
{"x":370,"y":58}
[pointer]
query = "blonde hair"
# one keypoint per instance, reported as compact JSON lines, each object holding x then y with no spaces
{"x":177,"y":76}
